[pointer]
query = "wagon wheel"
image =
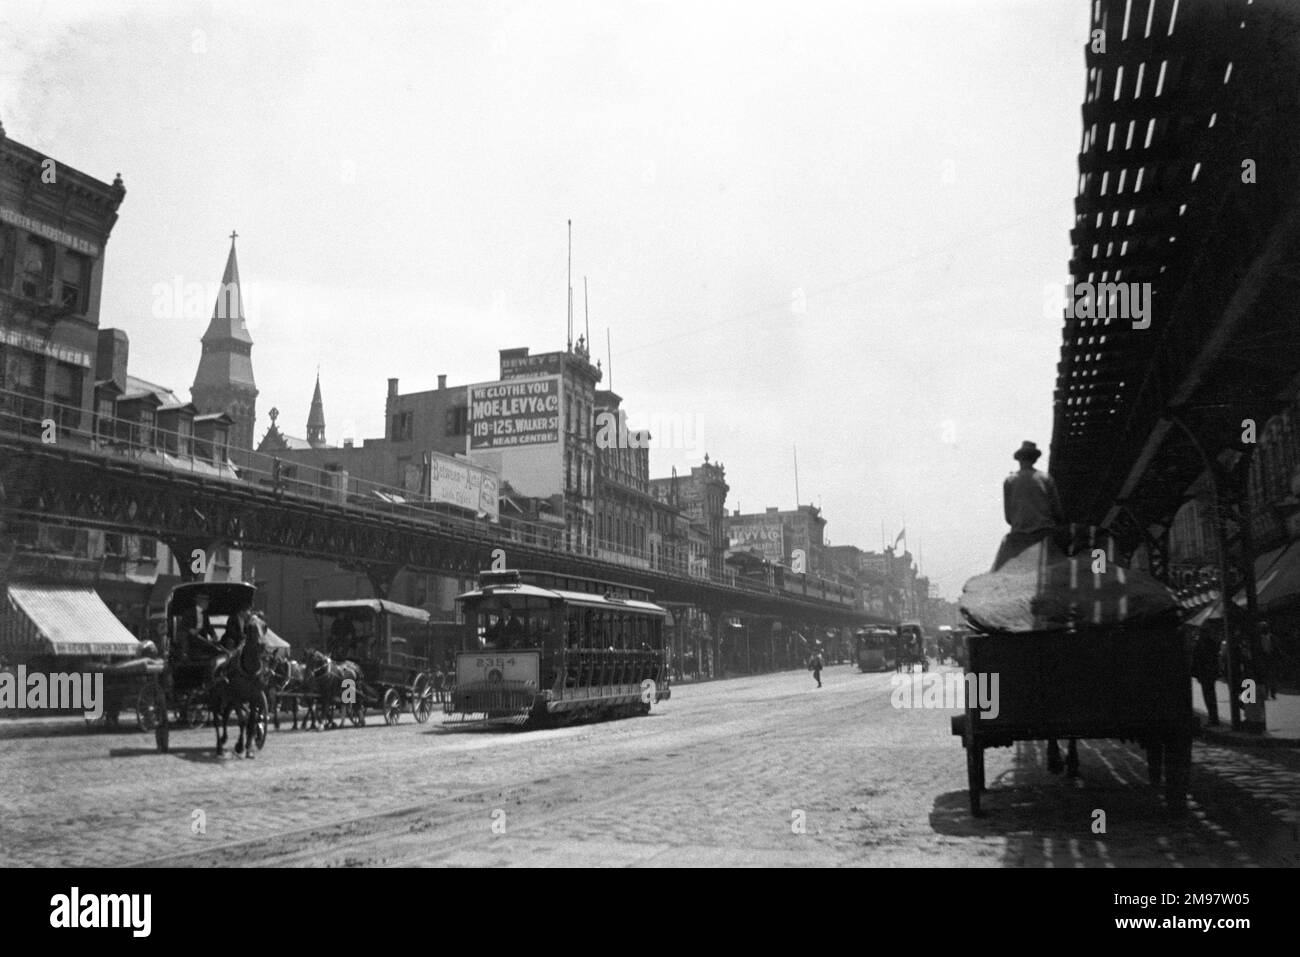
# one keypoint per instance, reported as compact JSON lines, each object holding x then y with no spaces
{"x":259,"y":734}
{"x":422,"y":698}
{"x":161,"y":731}
{"x":146,"y":710}
{"x":392,"y":706}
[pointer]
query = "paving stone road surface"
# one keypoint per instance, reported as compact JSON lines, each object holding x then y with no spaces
{"x":767,"y":770}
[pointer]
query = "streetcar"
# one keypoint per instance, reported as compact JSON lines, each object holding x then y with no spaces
{"x":539,"y":647}
{"x":874,"y":648}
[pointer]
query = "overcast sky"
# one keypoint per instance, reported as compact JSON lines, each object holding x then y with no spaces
{"x":814,"y":224}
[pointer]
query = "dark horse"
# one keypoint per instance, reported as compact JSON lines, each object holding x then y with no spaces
{"x":292,"y":683}
{"x":335,"y":683}
{"x":240,"y":685}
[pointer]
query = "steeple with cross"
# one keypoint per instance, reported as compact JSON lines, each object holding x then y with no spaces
{"x":224,"y":380}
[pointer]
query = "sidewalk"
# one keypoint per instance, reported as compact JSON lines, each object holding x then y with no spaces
{"x":1281,"y":720}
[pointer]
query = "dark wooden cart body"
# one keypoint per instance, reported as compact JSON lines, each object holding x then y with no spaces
{"x":1129,"y":682}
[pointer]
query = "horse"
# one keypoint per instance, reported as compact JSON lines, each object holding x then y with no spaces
{"x":328,"y":679}
{"x":290,"y":682}
{"x":240,"y":685}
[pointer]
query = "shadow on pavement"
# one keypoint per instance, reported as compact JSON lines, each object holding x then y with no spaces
{"x":1049,"y":820}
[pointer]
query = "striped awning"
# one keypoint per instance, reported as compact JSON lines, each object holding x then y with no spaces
{"x":52,"y":620}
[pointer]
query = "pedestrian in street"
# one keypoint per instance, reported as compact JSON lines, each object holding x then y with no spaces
{"x":816,"y":666}
{"x":1205,"y":669}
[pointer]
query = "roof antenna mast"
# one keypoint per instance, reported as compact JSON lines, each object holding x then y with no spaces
{"x":570,"y":341}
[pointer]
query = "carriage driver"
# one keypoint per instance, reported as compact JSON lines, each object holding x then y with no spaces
{"x":343,"y":638}
{"x":199,"y":637}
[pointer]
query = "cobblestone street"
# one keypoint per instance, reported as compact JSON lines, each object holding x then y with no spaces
{"x":763,"y":771}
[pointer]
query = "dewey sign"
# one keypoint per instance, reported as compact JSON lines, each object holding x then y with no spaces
{"x":516,"y":413}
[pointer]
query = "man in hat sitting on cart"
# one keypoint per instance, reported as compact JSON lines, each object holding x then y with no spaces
{"x":1031,"y":504}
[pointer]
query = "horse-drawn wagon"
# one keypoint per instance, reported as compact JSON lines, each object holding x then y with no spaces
{"x":370,"y":644}
{"x":912,"y":650}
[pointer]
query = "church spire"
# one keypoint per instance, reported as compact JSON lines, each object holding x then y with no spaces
{"x":228,"y":313}
{"x":224,"y":379}
{"x":316,"y":419}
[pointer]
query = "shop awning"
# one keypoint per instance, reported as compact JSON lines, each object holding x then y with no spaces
{"x":1277,"y":580}
{"x":53,"y":620}
{"x":273,"y":642}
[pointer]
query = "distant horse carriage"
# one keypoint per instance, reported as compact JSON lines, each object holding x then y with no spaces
{"x":911,"y":648}
{"x":367,"y":664}
{"x":218,"y":670}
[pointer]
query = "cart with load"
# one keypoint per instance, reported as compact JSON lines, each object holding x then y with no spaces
{"x":1061,"y":651}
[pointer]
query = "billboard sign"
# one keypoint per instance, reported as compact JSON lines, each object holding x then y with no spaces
{"x":514,"y":414}
{"x":766,"y":538}
{"x":517,"y":364}
{"x":465,"y":485}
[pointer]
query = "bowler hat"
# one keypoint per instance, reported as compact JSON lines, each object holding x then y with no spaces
{"x":1028,"y":452}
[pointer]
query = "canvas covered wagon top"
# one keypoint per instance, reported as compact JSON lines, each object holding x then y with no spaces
{"x":1043,"y":589}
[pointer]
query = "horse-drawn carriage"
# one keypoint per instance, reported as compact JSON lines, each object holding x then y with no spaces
{"x":911,"y":648}
{"x":369,"y":663}
{"x":212,"y":659}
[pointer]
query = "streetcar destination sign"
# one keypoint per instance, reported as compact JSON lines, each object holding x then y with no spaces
{"x":488,"y":668}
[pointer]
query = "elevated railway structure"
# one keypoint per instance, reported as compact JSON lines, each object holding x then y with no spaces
{"x":1188,"y":205}
{"x":63,"y":466}
{"x":1188,"y":193}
